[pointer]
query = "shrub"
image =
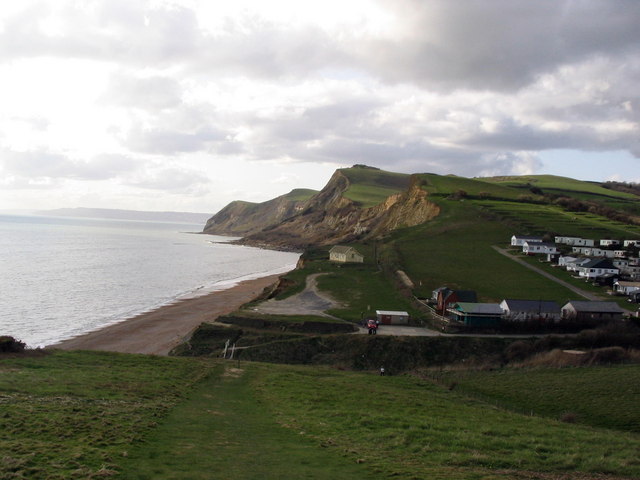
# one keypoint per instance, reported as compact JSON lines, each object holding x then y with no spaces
{"x":568,"y":417}
{"x":518,"y":350}
{"x":11,"y":345}
{"x":607,"y":355}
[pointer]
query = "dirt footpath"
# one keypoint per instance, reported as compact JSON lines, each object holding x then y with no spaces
{"x":308,"y":302}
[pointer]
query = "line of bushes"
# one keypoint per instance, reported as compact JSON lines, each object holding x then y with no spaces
{"x":302,"y":326}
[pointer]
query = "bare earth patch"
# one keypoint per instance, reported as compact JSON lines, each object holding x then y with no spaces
{"x":231,"y":372}
{"x":310,"y":301}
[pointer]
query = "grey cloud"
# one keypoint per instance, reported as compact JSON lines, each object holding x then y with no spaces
{"x":478,"y":45}
{"x":144,"y":92}
{"x":268,"y":51}
{"x":175,"y":180}
{"x":42,"y":164}
{"x":171,"y":141}
{"x":501,"y":44}
{"x":114,"y":30}
{"x":444,"y":47}
{"x":343,"y":115}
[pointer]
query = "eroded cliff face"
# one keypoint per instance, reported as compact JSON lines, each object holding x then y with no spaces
{"x":244,"y":218}
{"x":330,"y":218}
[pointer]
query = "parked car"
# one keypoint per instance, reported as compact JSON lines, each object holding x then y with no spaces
{"x":372,"y":326}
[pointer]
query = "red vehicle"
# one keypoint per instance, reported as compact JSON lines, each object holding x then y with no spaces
{"x":372,"y":326}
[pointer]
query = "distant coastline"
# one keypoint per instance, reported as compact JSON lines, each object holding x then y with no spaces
{"x":116,"y":214}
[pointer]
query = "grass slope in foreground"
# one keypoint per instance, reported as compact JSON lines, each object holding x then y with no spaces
{"x":75,"y":415}
{"x":95,"y":415}
{"x":577,"y":393}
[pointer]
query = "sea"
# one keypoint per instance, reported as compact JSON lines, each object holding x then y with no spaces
{"x":61,"y":277}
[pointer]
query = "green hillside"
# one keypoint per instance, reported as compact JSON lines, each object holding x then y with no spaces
{"x":445,"y":185}
{"x":512,"y":388}
{"x":456,"y":250}
{"x":371,"y":186}
{"x":558,"y":184}
{"x":578,"y":189}
{"x":82,"y":415}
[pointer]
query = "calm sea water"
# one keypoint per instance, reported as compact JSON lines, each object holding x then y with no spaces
{"x":60,"y":277}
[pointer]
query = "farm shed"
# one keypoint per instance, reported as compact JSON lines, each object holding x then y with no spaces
{"x":591,"y":312}
{"x":526,"y":310}
{"x":476,"y":314}
{"x":345,"y":254}
{"x":390,"y":317}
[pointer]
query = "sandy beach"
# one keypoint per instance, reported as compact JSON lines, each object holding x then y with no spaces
{"x":156,"y":332}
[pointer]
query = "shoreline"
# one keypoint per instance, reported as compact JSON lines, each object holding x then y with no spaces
{"x":157,"y":331}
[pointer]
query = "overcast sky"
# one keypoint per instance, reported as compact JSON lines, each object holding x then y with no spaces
{"x":188,"y":105}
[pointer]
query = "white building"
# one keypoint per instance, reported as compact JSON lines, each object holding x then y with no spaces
{"x":532,"y":248}
{"x":390,"y":317}
{"x":575,"y":241}
{"x":597,"y":268}
{"x":519,"y":240}
{"x":345,"y":254}
{"x":626,"y":288}
{"x":594,"y":252}
{"x":608,"y":242}
{"x":572,"y":263}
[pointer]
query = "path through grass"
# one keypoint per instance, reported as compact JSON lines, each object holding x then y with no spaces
{"x":226,"y":431}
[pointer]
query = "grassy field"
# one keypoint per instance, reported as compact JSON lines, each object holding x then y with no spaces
{"x":96,"y":415}
{"x":408,"y":428}
{"x":455,"y":250}
{"x":541,"y":219}
{"x":75,"y":415}
{"x":444,"y":185}
{"x":227,"y":430}
{"x":582,"y":394}
{"x":556,"y":183}
{"x":563,"y":186}
{"x":361,"y":288}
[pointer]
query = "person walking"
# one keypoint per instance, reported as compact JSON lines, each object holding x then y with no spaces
{"x":382,"y":371}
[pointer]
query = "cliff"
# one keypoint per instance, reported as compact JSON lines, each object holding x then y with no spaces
{"x":330,"y":217}
{"x":245,"y":218}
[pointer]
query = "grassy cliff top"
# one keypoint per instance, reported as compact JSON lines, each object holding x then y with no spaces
{"x":300,"y":194}
{"x":450,"y":184}
{"x":371,"y":186}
